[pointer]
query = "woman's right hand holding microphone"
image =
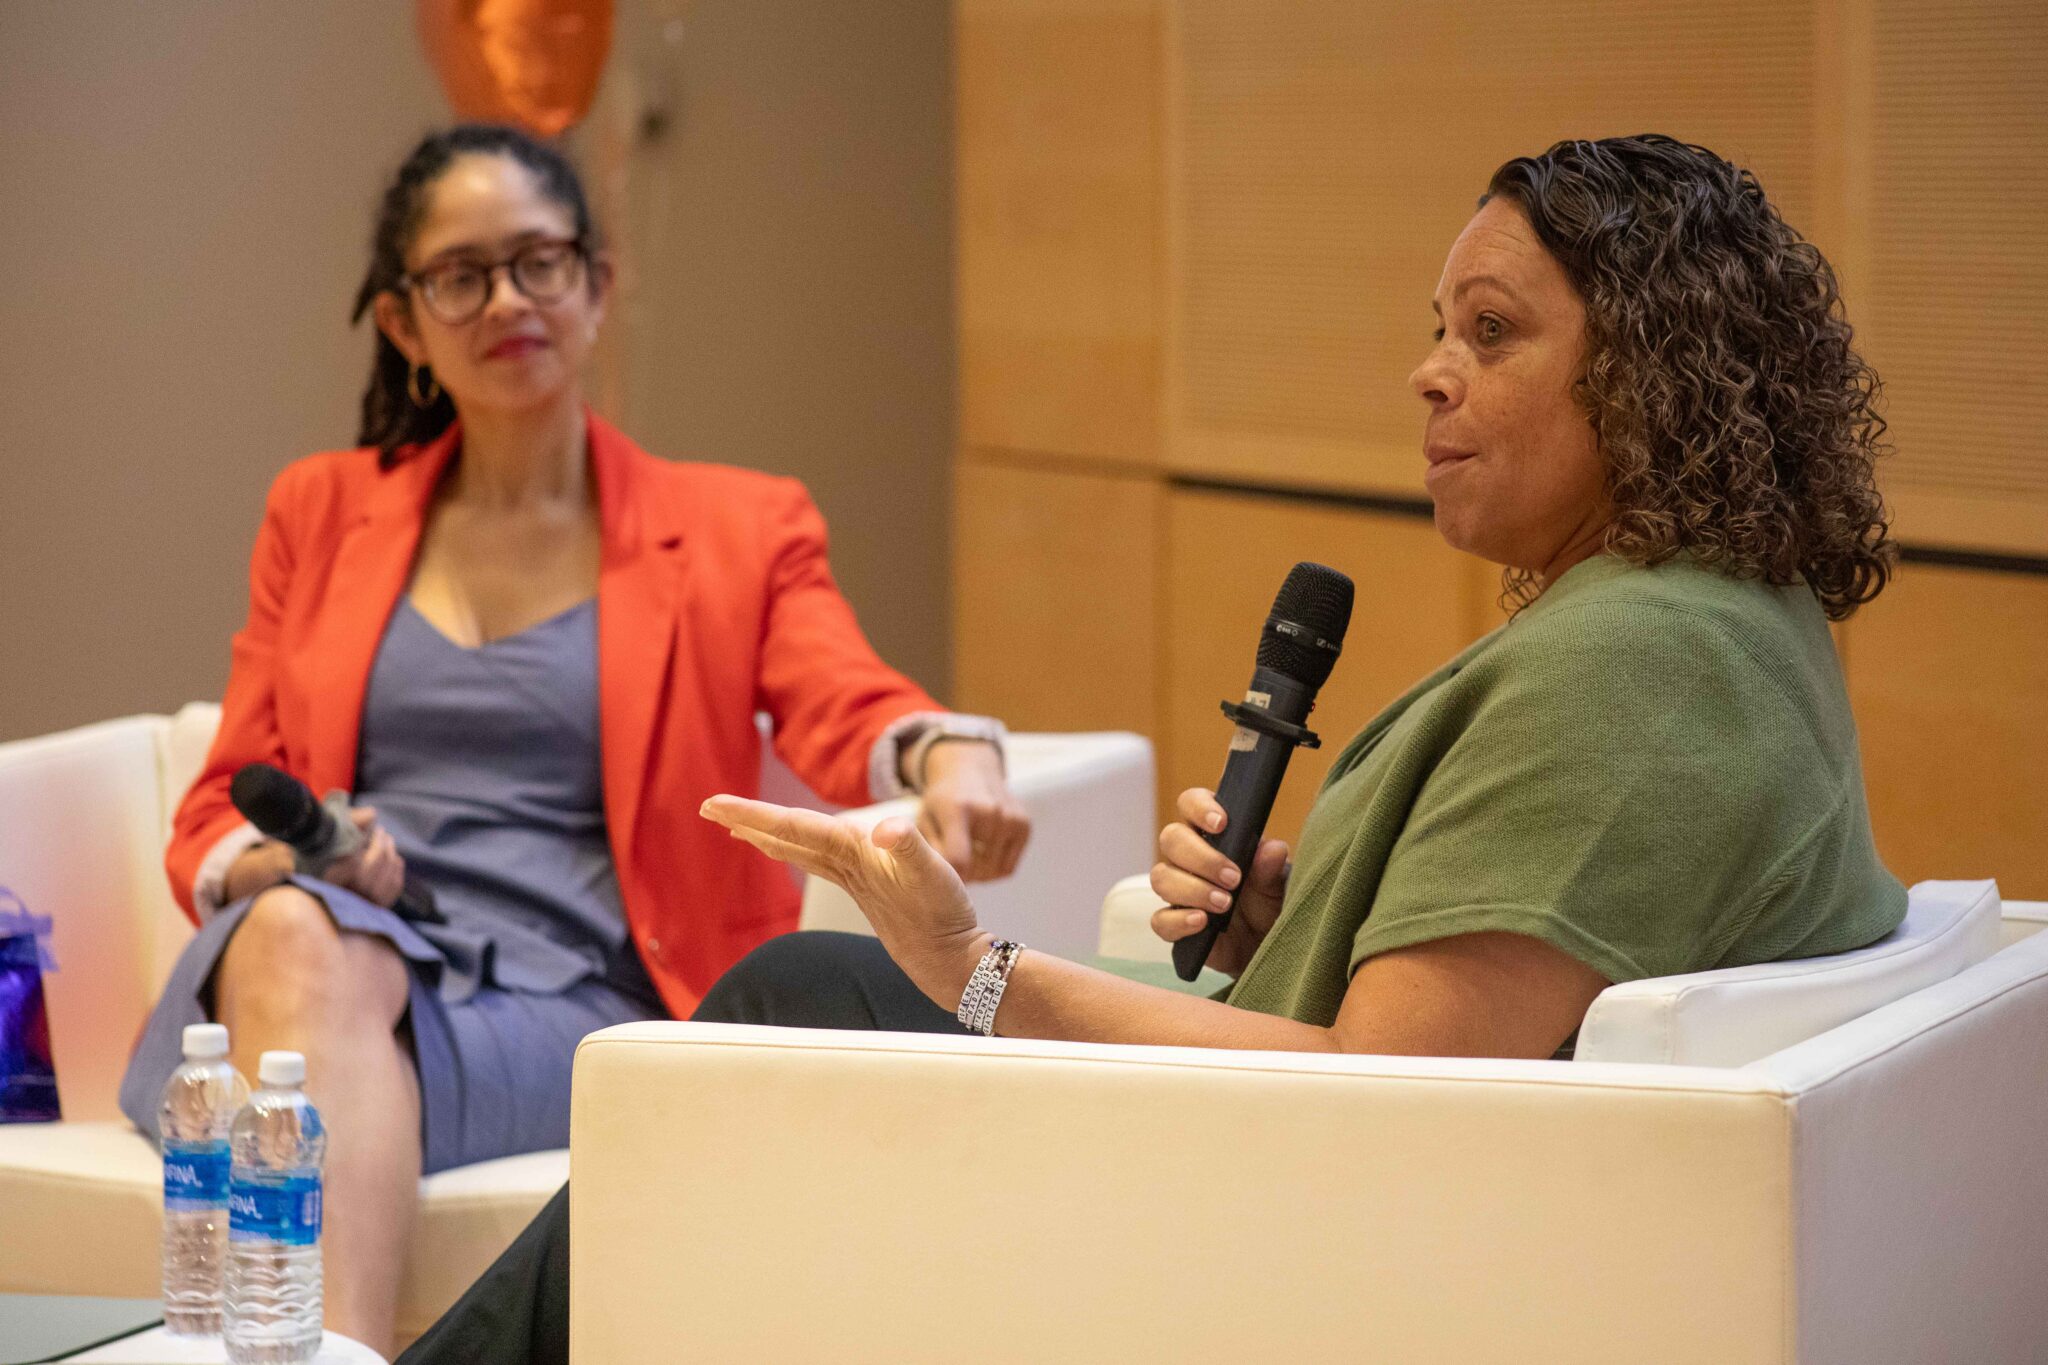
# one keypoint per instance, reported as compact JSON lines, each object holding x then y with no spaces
{"x":1194,"y":879}
{"x":376,"y":871}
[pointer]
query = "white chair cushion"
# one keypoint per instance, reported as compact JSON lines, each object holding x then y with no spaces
{"x":1734,"y":1016}
{"x":81,"y":840}
{"x":105,"y":1180}
{"x":186,"y":739}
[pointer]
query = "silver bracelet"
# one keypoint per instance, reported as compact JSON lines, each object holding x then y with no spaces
{"x":985,"y":987}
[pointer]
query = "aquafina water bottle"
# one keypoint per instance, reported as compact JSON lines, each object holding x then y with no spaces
{"x":199,"y":1107}
{"x":273,"y":1279}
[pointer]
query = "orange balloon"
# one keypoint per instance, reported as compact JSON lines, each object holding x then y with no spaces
{"x":534,"y":63}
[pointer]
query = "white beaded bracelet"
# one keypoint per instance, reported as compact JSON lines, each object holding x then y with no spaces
{"x":985,"y":987}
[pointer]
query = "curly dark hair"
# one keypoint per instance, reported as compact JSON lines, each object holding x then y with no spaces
{"x":1737,"y":422}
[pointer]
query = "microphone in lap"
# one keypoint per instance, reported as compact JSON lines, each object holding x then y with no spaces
{"x":320,"y":833}
{"x":284,"y":809}
{"x":1299,"y":645}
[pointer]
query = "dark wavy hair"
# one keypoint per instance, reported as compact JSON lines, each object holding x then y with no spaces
{"x":1737,"y":422}
{"x":390,"y":419}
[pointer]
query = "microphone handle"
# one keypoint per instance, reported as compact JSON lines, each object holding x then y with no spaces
{"x":333,"y":837}
{"x":416,"y":903}
{"x":1251,"y":780}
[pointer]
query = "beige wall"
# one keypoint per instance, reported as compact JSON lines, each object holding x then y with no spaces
{"x":188,"y":190}
{"x":788,"y":241}
{"x":187,"y":201}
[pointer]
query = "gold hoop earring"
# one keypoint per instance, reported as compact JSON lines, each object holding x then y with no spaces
{"x":412,"y":387}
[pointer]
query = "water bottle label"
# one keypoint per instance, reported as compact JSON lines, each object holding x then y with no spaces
{"x":195,"y":1175}
{"x":283,"y":1209}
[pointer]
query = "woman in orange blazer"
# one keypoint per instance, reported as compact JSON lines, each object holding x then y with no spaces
{"x":532,"y":650}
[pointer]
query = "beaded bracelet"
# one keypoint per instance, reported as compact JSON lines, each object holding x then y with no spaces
{"x":985,"y":987}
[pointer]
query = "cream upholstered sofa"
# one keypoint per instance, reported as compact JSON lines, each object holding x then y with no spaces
{"x":83,"y":819}
{"x":1858,"y":1178}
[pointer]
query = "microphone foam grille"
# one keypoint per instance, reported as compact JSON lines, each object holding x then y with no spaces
{"x":1316,"y":598}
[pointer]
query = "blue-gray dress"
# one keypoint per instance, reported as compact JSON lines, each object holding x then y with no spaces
{"x":484,"y":766}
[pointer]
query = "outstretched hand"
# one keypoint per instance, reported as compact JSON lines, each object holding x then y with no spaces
{"x":913,"y":897}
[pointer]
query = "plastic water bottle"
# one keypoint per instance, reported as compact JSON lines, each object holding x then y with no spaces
{"x":273,"y":1279}
{"x":198,"y":1109}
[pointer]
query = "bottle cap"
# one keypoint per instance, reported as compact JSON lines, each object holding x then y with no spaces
{"x":206,"y":1041}
{"x":282,"y":1068}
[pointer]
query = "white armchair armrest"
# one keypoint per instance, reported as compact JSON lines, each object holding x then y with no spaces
{"x":2021,"y":919}
{"x":1126,"y":928}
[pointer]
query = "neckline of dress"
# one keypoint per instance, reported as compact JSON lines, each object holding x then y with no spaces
{"x":542,"y":624}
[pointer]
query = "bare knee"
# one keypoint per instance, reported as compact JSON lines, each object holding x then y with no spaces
{"x":289,"y":956}
{"x":286,"y":933}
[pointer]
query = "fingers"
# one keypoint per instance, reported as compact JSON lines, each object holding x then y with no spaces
{"x":1181,"y":847}
{"x":981,"y":836}
{"x":829,"y":847}
{"x":782,"y":851}
{"x":996,"y":835}
{"x":1183,"y":851}
{"x":1174,"y":924}
{"x":902,"y":840}
{"x":382,"y":872}
{"x":952,"y":830}
{"x":1198,"y":807}
{"x":1186,"y":891}
{"x":811,"y":841}
{"x":376,"y":871}
{"x":825,"y":837}
{"x":1014,"y":834}
{"x":928,"y":823}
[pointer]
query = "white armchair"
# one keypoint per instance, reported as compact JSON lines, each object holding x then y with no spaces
{"x":1873,"y":1193}
{"x":1733,"y":1015}
{"x":83,"y":818}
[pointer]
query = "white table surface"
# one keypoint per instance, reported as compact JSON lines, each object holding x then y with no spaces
{"x":157,"y":1347}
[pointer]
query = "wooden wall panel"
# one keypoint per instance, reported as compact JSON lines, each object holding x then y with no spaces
{"x":1418,"y":603}
{"x":1956,"y":310}
{"x":1058,"y":194}
{"x":1323,"y":154}
{"x":1948,"y":671}
{"x":1198,"y":237}
{"x":1053,"y":601}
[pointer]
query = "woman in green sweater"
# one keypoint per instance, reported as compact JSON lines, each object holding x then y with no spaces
{"x":1642,"y":403}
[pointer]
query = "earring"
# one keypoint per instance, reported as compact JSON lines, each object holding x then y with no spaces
{"x":412,"y":386}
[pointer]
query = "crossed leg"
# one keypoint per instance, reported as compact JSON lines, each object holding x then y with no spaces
{"x":291,"y":979}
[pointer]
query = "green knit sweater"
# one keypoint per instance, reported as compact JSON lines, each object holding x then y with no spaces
{"x":1654,"y":770}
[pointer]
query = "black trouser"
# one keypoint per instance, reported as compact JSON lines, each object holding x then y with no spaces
{"x":519,"y":1310}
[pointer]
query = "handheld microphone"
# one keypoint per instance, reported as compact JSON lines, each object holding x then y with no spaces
{"x":1299,"y":645}
{"x":318,"y":832}
{"x":284,"y":809}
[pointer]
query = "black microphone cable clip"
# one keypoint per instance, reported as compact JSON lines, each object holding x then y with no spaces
{"x":1265,"y":722}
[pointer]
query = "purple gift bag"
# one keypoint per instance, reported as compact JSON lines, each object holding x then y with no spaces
{"x":28,"y":1077}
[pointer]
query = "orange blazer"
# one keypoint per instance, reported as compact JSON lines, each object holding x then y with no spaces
{"x":714,"y":602}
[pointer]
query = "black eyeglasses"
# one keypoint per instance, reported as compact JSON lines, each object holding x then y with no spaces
{"x":456,"y":291}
